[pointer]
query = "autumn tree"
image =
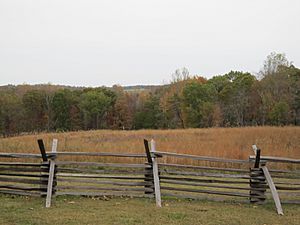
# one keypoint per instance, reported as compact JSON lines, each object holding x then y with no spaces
{"x":233,"y":99}
{"x":35,"y":110}
{"x":10,"y":114}
{"x":171,"y":100}
{"x":273,"y":62}
{"x":122,"y":114}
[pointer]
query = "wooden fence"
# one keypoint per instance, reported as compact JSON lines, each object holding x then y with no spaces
{"x":55,"y":173}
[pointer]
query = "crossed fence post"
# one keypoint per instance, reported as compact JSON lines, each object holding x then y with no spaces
{"x":259,"y":178}
{"x":258,"y":185}
{"x":49,"y":180}
{"x":154,"y":177}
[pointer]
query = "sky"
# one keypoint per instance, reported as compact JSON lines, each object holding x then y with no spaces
{"x":131,"y":42}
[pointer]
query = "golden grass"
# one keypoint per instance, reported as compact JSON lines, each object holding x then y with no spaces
{"x":232,"y":143}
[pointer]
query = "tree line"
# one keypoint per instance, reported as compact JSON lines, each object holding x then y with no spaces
{"x":237,"y":98}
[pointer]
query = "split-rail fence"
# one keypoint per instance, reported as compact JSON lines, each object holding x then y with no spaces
{"x":153,"y":174}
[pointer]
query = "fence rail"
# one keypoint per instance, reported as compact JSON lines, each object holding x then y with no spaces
{"x":195,"y":157}
{"x":276,"y":159}
{"x":24,"y":178}
{"x":151,"y":175}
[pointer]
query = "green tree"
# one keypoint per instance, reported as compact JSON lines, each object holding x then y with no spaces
{"x":234,"y":91}
{"x":150,"y":116}
{"x":282,"y":86}
{"x":199,"y":101}
{"x":279,"y":113}
{"x":67,"y":114}
{"x":95,"y":103}
{"x":293,"y":75}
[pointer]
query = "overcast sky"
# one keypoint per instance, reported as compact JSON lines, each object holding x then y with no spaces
{"x":127,"y":42}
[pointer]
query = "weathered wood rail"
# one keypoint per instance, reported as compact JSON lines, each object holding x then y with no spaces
{"x":203,"y":182}
{"x":151,"y":174}
{"x":24,"y":178}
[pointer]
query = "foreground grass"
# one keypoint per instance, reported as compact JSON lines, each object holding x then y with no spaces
{"x":124,"y":211}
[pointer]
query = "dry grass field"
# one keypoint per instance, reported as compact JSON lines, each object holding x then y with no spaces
{"x":232,"y":143}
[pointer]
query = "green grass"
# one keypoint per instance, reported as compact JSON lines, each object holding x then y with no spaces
{"x":126,"y":211}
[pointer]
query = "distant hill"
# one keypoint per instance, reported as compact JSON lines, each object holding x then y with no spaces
{"x":23,"y":88}
{"x":138,"y":88}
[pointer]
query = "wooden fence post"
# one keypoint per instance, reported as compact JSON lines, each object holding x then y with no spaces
{"x":273,"y":190}
{"x":42,"y":150}
{"x":257,"y":180}
{"x":155,"y":175}
{"x":259,"y":175}
{"x":258,"y":186}
{"x":44,"y":178}
{"x":44,"y":166}
{"x":148,"y":171}
{"x":51,"y":175}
